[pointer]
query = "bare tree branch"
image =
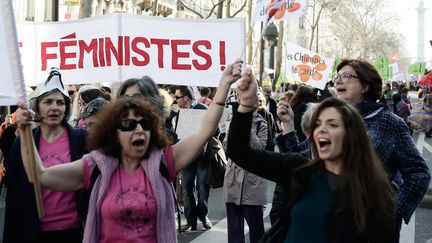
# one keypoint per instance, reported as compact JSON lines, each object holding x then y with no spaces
{"x":190,"y":9}
{"x":215,"y":5}
{"x":240,"y":9}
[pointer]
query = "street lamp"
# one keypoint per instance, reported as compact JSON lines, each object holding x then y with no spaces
{"x":271,"y":35}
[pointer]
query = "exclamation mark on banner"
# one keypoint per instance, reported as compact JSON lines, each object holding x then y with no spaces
{"x":222,"y":55}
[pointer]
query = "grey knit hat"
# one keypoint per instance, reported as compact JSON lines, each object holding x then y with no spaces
{"x":93,"y":107}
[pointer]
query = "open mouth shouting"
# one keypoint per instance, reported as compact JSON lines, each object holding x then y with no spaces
{"x":340,"y":91}
{"x":324,"y":144}
{"x":138,"y":143}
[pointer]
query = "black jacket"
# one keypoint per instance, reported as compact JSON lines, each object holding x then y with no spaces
{"x":339,"y":222}
{"x":299,"y":108}
{"x":21,"y":219}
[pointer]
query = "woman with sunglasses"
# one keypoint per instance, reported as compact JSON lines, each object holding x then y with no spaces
{"x":359,"y":84}
{"x":58,"y":144}
{"x":145,"y":86}
{"x":131,"y":201}
{"x":342,"y":195}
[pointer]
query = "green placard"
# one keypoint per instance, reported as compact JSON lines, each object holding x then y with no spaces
{"x":382,"y":67}
{"x":417,"y":68}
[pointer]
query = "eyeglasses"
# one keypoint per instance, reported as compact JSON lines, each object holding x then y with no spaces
{"x":130,"y":124}
{"x":179,"y":97}
{"x":344,"y":77}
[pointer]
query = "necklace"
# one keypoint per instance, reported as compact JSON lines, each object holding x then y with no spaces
{"x":50,"y":140}
{"x":128,"y":212}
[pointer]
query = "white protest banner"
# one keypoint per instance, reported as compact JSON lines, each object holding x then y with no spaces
{"x":307,"y":66}
{"x":12,"y":86}
{"x":112,"y":48}
{"x":12,"y":90}
{"x":273,"y":10}
{"x":188,"y":122}
{"x":394,"y":67}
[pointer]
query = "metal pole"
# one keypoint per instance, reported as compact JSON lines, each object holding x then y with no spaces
{"x":261,"y":64}
{"x":317,"y":37}
{"x":271,"y":61}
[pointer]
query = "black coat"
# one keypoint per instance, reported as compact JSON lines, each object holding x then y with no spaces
{"x":340,"y":226}
{"x":21,"y":218}
{"x":299,"y":109}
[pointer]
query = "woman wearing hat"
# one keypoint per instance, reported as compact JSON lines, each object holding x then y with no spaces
{"x":57,"y":143}
{"x":130,"y":200}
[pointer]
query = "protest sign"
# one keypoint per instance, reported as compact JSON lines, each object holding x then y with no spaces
{"x":417,"y":68}
{"x":112,"y":48}
{"x":272,"y":10}
{"x":13,"y":89}
{"x":188,"y":122}
{"x":381,"y":64}
{"x":306,"y":66}
{"x":12,"y":86}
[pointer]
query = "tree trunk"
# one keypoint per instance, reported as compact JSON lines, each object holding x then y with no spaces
{"x":155,"y":7}
{"x":220,"y":11}
{"x":228,"y":9}
{"x":312,"y":26}
{"x":86,"y":9}
{"x":279,"y":53}
{"x":249,"y":38}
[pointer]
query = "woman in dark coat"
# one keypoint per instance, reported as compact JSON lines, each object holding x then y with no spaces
{"x":343,"y":195}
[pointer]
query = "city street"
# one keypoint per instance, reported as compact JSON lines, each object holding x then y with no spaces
{"x":418,"y":231}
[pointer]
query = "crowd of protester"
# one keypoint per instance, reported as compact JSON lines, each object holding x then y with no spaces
{"x":112,"y":167}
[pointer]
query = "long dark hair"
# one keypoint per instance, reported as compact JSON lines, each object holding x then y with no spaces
{"x":104,"y":135}
{"x":364,"y":182}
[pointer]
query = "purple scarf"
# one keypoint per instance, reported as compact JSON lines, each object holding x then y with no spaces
{"x":165,"y":222}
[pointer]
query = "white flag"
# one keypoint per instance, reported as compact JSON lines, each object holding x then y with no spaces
{"x":306,"y":66}
{"x":12,"y":86}
{"x":395,"y":68}
{"x":272,"y":10}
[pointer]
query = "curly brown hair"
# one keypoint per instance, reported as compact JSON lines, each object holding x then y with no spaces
{"x":104,"y":135}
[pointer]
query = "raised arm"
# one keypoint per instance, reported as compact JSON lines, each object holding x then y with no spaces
{"x":187,"y":149}
{"x":63,"y":177}
{"x":277,"y":166}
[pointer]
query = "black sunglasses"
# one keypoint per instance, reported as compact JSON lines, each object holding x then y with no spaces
{"x":130,"y":124}
{"x":179,"y":97}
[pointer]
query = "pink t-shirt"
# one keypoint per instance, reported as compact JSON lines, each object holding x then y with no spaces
{"x":129,"y":209}
{"x":60,"y":207}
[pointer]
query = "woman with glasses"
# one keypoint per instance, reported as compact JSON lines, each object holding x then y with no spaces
{"x":58,"y":144}
{"x":342,"y":195}
{"x":359,"y":83}
{"x":131,"y":201}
